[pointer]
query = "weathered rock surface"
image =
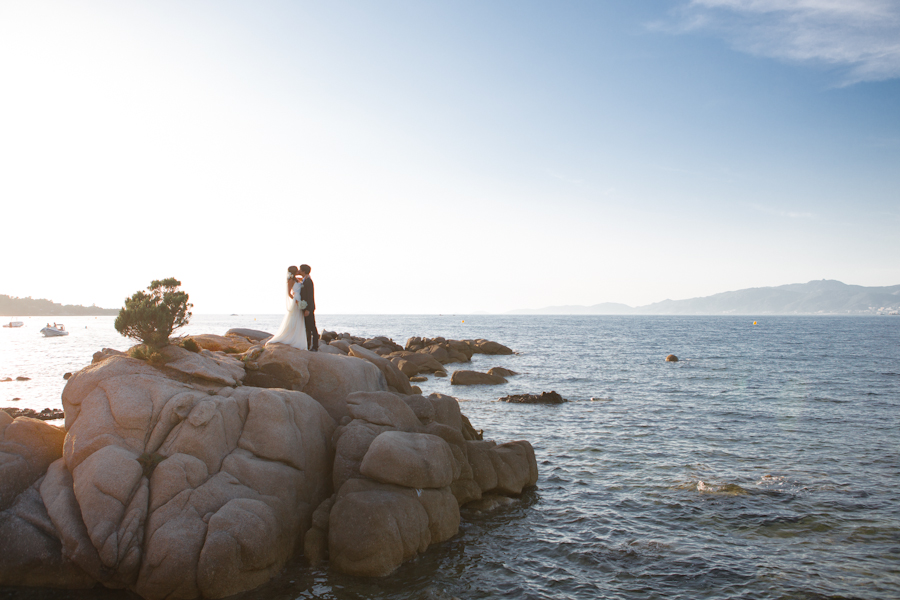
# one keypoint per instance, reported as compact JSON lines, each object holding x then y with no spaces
{"x":253,"y":335}
{"x":489,"y":347}
{"x":214,"y":367}
{"x":501,"y":372}
{"x":228,"y":343}
{"x":402,"y":448}
{"x":475,"y":378}
{"x":326,"y":377}
{"x":30,"y":550}
{"x":199,"y":475}
{"x":393,"y":376}
{"x":171,"y":490}
{"x":542,"y":398}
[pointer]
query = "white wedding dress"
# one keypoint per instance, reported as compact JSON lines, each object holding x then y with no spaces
{"x":293,"y":328}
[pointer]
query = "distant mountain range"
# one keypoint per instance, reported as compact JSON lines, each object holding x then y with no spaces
{"x":816,"y":297}
{"x":10,"y":306}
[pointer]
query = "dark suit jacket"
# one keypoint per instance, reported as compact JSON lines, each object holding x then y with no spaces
{"x":308,"y":293}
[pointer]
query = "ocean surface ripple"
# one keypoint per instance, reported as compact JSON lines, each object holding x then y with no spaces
{"x":764,"y":464}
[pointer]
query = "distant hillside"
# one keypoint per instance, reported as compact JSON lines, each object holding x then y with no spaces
{"x":815,"y":297}
{"x":11,"y":306}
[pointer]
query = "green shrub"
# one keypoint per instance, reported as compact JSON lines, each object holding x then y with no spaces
{"x":152,"y":317}
{"x":139,"y":352}
{"x":190,"y":344}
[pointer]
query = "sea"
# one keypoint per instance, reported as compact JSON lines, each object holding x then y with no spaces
{"x":765,"y":463}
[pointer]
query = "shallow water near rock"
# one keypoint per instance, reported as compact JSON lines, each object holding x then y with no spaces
{"x":763,"y":464}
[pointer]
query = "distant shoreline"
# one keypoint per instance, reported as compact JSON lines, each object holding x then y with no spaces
{"x":11,"y":306}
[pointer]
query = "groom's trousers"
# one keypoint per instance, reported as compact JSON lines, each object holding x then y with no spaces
{"x":312,"y":334}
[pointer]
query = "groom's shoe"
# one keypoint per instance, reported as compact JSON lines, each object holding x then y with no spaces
{"x":316,"y":349}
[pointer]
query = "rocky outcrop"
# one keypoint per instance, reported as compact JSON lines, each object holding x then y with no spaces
{"x":424,"y":355}
{"x":475,"y":378}
{"x":254,"y":335}
{"x":31,"y":552}
{"x":168,"y":488}
{"x":327,"y":378}
{"x":200,"y":474}
{"x":501,"y":372}
{"x":542,"y":398}
{"x":671,"y":358}
{"x":47,"y":414}
{"x":402,"y":470}
{"x":229,"y":343}
{"x":397,"y":381}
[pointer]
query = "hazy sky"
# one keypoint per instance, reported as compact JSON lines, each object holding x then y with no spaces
{"x":449,"y":157}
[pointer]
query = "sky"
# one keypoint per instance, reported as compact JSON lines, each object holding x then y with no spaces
{"x":447,"y":157}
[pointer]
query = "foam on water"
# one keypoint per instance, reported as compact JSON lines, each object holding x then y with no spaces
{"x":763,"y":464}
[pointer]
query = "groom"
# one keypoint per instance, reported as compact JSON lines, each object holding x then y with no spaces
{"x":308,"y":293}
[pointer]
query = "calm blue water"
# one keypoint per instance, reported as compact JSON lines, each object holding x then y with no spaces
{"x":765,"y":464}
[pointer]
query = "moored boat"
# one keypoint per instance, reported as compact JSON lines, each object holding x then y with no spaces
{"x":14,"y":324}
{"x":55,"y":330}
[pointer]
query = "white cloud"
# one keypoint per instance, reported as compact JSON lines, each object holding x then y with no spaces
{"x":862,"y":37}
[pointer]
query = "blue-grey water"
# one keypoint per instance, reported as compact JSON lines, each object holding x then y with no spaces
{"x":764,"y":464}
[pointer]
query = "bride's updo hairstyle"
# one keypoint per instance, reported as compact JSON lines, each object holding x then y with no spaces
{"x":292,"y":272}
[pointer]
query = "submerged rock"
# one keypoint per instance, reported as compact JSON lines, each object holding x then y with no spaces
{"x":543,"y":398}
{"x":671,"y":358}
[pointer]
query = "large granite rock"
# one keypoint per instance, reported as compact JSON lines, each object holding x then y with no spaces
{"x":177,"y":491}
{"x":326,"y":377}
{"x":176,"y":481}
{"x":31,"y":552}
{"x":254,"y":335}
{"x":228,"y":343}
{"x":393,"y":376}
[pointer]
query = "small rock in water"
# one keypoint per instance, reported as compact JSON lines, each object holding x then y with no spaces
{"x":596,"y":399}
{"x":67,"y":376}
{"x":500,"y":371}
{"x":440,"y":373}
{"x":417,"y":379}
{"x":671,"y":358}
{"x":23,"y":378}
{"x":6,"y":379}
{"x":543,"y":398}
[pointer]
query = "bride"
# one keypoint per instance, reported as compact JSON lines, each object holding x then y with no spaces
{"x":293,"y":329}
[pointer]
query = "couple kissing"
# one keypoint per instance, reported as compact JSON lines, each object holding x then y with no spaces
{"x":298,"y":329}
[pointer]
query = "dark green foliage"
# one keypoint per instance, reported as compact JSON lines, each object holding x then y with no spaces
{"x":190,"y":344}
{"x":139,"y":352}
{"x":152,"y":317}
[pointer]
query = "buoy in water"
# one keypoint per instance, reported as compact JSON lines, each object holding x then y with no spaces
{"x":754,"y":322}
{"x":464,"y":321}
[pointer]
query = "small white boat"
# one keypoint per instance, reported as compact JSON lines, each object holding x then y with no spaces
{"x":55,"y":330}
{"x":15,"y":324}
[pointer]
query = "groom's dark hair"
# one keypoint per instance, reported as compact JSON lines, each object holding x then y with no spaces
{"x":305,"y":269}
